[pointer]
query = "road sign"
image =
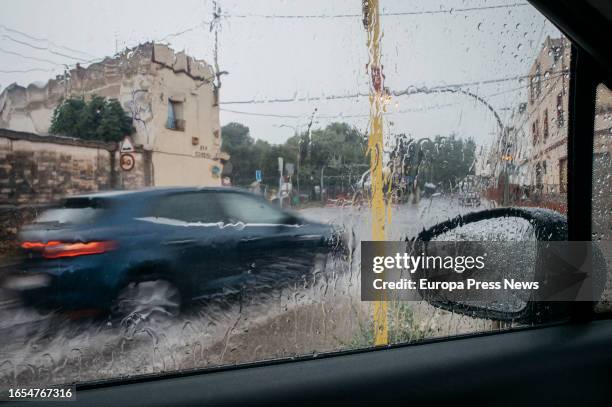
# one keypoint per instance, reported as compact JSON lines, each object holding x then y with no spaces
{"x":258,"y":175}
{"x":280,"y":164}
{"x":289,"y":167}
{"x":126,"y":145}
{"x":127,"y":161}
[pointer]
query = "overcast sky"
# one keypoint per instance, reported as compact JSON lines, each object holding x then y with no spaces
{"x":269,"y":56}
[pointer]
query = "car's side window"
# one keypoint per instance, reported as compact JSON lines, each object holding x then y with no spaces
{"x":602,"y":185}
{"x":246,"y":209}
{"x":189,"y":207}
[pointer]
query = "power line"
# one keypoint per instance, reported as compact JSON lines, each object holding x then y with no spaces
{"x":43,"y":49}
{"x":340,"y":115}
{"x":408,"y":91}
{"x":49,"y":42}
{"x":433,"y":107}
{"x":280,"y":116}
{"x":90,"y":61}
{"x":528,"y":116}
{"x":290,"y":100}
{"x":335,"y":116}
{"x":201,"y":24}
{"x":401,"y":13}
{"x":30,"y":57}
{"x":26,"y":70}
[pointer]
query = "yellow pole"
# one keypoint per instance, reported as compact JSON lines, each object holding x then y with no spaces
{"x":371,"y":20}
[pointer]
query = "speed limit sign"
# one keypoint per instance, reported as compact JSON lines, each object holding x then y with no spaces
{"x":127,"y":161}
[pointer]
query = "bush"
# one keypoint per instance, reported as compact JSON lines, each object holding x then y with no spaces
{"x":97,"y":119}
{"x":401,"y":324}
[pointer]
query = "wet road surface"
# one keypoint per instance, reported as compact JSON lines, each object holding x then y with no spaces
{"x":316,"y":315}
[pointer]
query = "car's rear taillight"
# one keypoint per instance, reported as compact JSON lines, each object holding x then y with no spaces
{"x":56,"y":249}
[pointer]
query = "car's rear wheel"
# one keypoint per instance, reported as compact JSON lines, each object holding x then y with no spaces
{"x":147,"y":301}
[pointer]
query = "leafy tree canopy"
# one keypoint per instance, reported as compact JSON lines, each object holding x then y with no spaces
{"x":95,"y":119}
{"x":339,"y":152}
{"x":443,"y":161}
{"x":337,"y":146}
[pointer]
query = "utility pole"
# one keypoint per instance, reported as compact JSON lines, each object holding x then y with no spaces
{"x":322,"y":170}
{"x":371,"y":22}
{"x":214,"y":24}
{"x":297,"y":170}
{"x":300,"y":149}
{"x":280,"y":182}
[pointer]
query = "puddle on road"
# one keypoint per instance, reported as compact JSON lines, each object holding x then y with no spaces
{"x":317,"y":314}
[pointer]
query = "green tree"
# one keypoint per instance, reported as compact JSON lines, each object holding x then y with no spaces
{"x":246,"y":154}
{"x":95,"y":119}
{"x":235,"y":135}
{"x":443,"y":161}
{"x":338,"y":147}
{"x":339,"y":150}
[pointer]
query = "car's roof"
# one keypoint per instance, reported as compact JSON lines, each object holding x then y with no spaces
{"x":151,"y":192}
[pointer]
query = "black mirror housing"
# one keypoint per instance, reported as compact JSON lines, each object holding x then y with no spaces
{"x":547,"y":226}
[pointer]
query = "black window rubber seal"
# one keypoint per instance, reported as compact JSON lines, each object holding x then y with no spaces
{"x":581,"y":110}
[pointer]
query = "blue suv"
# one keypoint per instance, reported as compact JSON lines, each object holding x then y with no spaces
{"x":158,"y":249}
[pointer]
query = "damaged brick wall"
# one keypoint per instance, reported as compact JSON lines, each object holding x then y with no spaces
{"x":42,"y":169}
{"x":45,"y":176}
{"x":38,"y":171}
{"x":12,"y":217}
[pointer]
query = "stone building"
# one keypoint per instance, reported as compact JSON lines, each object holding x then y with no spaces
{"x":520,"y":148}
{"x":170,"y":96}
{"x":602,"y":167}
{"x":528,"y":160}
{"x":603,"y":123}
{"x":534,"y":144}
{"x":546,"y":118}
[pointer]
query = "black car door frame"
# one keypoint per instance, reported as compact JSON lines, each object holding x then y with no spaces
{"x":587,"y":70}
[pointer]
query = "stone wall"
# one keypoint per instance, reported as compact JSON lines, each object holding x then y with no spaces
{"x":12,"y":217}
{"x":42,"y":169}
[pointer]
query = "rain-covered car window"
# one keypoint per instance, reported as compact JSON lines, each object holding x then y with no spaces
{"x":355,"y":120}
{"x":68,"y":215}
{"x":73,"y":211}
{"x":246,"y":209}
{"x":188,"y":207}
{"x":602,"y":186}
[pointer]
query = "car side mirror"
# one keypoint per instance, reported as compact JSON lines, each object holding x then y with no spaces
{"x":521,"y":244}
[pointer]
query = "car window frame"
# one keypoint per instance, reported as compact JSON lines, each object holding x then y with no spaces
{"x":589,"y":58}
{"x":159,"y":200}
{"x":253,"y":198}
{"x":585,"y":75}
